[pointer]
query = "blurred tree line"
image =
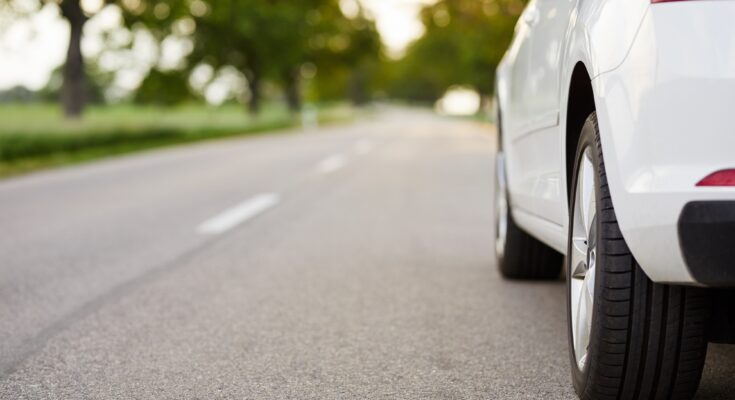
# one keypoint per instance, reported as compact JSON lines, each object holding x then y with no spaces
{"x":463,"y":44}
{"x":279,"y":41}
{"x":305,"y":48}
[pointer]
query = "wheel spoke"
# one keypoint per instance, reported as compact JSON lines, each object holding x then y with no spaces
{"x":589,"y":283}
{"x":587,"y":192}
{"x":589,"y":296}
{"x":578,"y":260}
{"x":591,"y":216}
{"x":582,"y":337}
{"x":584,"y":320}
{"x":579,"y":217}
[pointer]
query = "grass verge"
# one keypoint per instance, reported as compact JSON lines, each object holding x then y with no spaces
{"x":36,"y":136}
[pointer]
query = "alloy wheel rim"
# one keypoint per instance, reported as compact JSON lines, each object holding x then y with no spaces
{"x":583,"y":258}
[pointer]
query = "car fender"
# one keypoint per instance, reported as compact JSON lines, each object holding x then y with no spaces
{"x":599,"y":36}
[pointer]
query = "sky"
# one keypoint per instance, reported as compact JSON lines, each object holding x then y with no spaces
{"x":398,"y":21}
{"x":30,"y":51}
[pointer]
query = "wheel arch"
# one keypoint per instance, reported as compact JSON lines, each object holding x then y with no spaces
{"x":580,"y":104}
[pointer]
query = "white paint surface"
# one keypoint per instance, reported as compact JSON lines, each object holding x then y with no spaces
{"x":239,"y":214}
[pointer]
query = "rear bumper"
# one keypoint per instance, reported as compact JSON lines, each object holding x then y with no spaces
{"x":667,"y":119}
{"x":707,"y":240}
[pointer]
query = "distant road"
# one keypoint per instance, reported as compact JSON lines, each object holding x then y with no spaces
{"x":354,"y":261}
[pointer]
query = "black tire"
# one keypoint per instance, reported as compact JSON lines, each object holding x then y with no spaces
{"x":523,"y":256}
{"x":647,"y":340}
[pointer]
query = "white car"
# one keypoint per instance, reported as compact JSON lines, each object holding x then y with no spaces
{"x":617,"y":162}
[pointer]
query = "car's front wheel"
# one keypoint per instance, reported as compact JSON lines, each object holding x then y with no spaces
{"x":630,"y":338}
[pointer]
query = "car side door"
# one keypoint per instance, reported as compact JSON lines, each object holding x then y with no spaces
{"x":548,"y":23}
{"x":516,"y":113}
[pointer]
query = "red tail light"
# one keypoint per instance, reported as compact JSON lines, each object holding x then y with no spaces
{"x":726,"y":177}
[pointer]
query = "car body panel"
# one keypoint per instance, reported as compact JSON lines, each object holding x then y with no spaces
{"x":518,"y":90}
{"x":666,"y":122}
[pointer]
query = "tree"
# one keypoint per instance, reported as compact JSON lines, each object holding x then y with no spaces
{"x":73,"y":95}
{"x":463,"y":43}
{"x":264,"y":40}
{"x":74,"y":88}
{"x":348,"y":64}
{"x":274,"y":40}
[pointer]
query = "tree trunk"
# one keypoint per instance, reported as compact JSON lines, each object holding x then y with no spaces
{"x":255,"y":93}
{"x":293,"y":94}
{"x":485,"y":109}
{"x":73,"y":92}
{"x":358,"y":87}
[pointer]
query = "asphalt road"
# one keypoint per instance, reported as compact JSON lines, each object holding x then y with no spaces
{"x":350,"y":262}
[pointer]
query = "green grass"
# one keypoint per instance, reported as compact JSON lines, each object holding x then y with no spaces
{"x":36,"y":136}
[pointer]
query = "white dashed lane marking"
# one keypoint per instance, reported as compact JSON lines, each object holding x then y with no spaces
{"x":240,"y":213}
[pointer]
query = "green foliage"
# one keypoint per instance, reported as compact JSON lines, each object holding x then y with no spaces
{"x":274,"y":40}
{"x":463,"y":44}
{"x":165,"y":88}
{"x":350,"y":67}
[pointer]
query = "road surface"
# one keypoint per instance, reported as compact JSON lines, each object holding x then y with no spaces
{"x":354,"y":261}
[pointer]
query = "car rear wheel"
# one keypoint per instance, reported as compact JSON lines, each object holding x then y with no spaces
{"x":629,"y":338}
{"x":518,"y":254}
